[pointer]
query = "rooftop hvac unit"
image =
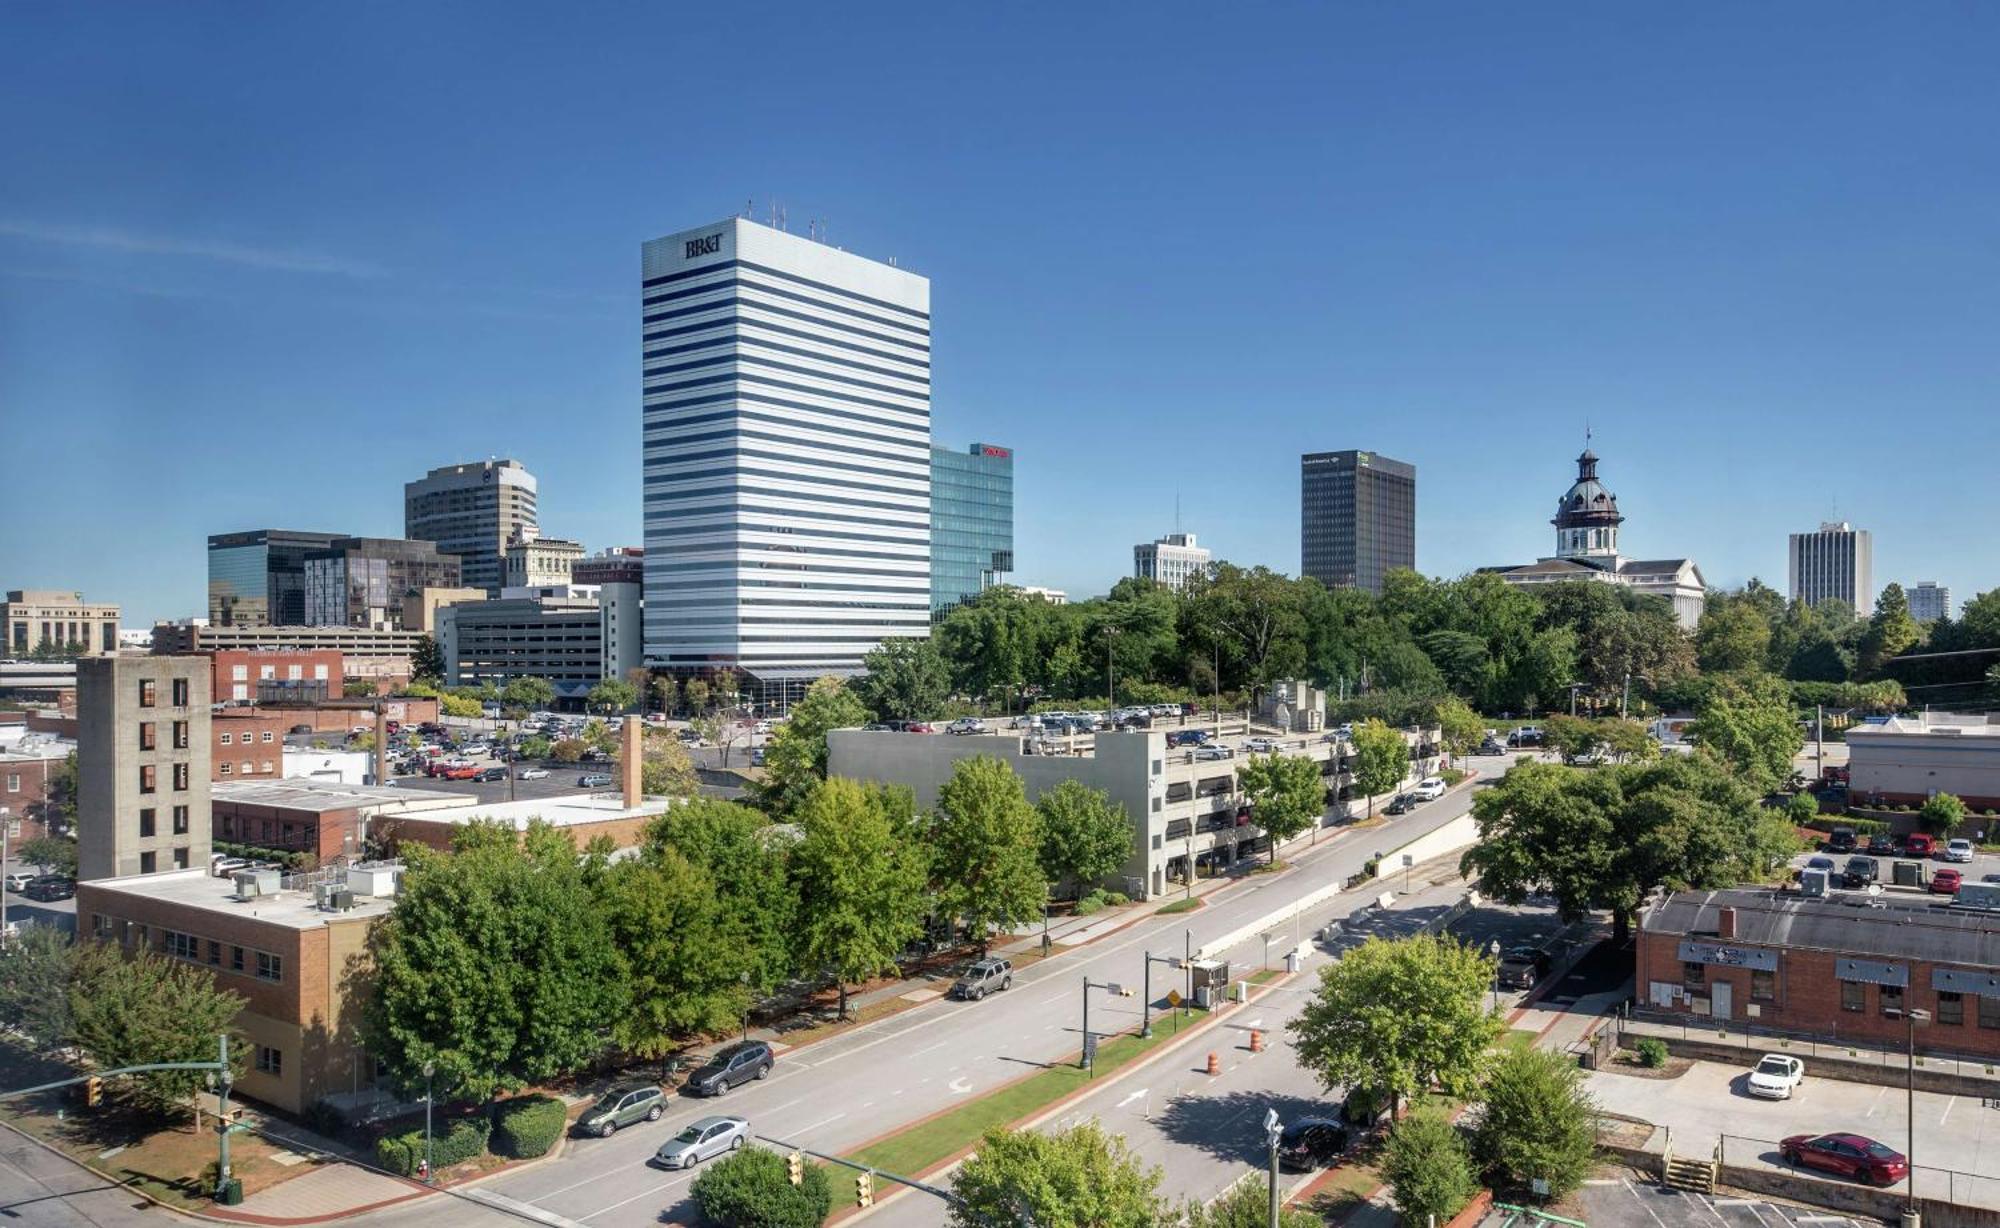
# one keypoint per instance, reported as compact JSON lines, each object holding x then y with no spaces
{"x":251,"y":884}
{"x":1812,"y":884}
{"x":373,"y":880}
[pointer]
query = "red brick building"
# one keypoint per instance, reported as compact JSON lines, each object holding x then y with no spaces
{"x":248,"y":744}
{"x":1834,"y":968}
{"x":328,"y":820}
{"x":250,"y":675}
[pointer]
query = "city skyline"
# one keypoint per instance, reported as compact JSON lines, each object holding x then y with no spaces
{"x":1466,"y":282}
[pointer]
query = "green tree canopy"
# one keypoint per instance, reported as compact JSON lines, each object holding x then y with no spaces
{"x":795,"y":757}
{"x":1396,"y":1019}
{"x":1751,"y":723}
{"x":1381,"y":760}
{"x":530,"y":693}
{"x":36,"y":969}
{"x":1733,"y":636}
{"x":613,"y":695}
{"x":1085,"y":838}
{"x":1287,"y":794}
{"x":51,"y":854}
{"x":906,"y":679}
{"x":752,"y":1188}
{"x":1941,"y":814}
{"x":1536,"y":1121}
{"x":1429,"y":1168}
{"x":666,"y":769}
{"x":143,"y":1008}
{"x":985,"y":840}
{"x":860,"y":875}
{"x":746,"y":860}
{"x":426,"y":660}
{"x":681,"y":973}
{"x":1075,"y":1178}
{"x":1246,"y":1205}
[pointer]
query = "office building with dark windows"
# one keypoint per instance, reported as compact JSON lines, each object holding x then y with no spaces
{"x":473,"y":511}
{"x":972,"y":523}
{"x":257,"y":578}
{"x":1837,"y":563}
{"x":1357,"y":518}
{"x":787,"y":455}
{"x":362,"y":581}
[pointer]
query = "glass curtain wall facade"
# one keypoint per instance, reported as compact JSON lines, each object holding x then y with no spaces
{"x":1358,"y":518}
{"x":787,"y":475}
{"x":257,"y":578}
{"x":972,"y":523}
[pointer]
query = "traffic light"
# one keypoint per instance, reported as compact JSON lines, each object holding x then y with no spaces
{"x":795,"y":1164}
{"x":93,"y":1091}
{"x":864,"y":1190}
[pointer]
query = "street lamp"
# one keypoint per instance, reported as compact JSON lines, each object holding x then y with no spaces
{"x":1090,"y":1049}
{"x":1913,"y":1018}
{"x":1493,"y":949}
{"x":1273,"y":1131}
{"x":430,"y":1175}
{"x":1146,"y":1007}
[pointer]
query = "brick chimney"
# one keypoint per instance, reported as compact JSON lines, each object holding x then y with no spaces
{"x":1725,"y":923}
{"x":381,"y":743}
{"x":631,"y":760}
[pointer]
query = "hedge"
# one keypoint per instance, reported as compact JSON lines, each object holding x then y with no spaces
{"x":1860,"y":826}
{"x":460,"y":1140}
{"x":527,"y":1127}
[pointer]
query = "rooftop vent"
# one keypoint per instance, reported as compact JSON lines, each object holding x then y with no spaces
{"x":255,"y":884}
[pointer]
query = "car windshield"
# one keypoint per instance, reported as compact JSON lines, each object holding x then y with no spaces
{"x":690,"y":1135}
{"x":1773,"y":1066}
{"x":1877,"y":1151}
{"x":609,"y":1100}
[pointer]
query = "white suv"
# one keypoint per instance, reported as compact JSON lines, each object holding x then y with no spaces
{"x":1958,"y":850}
{"x":1430,"y":788}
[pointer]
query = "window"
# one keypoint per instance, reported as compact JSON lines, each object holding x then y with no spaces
{"x":222,"y":769}
{"x":240,"y":673}
{"x":270,"y":1061}
{"x":266,"y":739}
{"x":1763,"y":986}
{"x":146,"y":816}
{"x":270,"y":967}
{"x":319,"y":673}
{"x":180,"y":777}
{"x":148,"y":694}
{"x":1853,"y":996}
{"x":1694,"y":974}
{"x":181,"y":858}
{"x":183,"y":946}
{"x":1950,"y":1008}
{"x":180,"y":692}
{"x":236,"y":959}
{"x":227,"y":739}
{"x":248,"y":767}
{"x":214,"y":953}
{"x":149,"y":778}
{"x":1892,"y":999}
{"x":101,"y":925}
{"x":180,"y":820}
{"x":147,"y":739}
{"x":148,"y":863}
{"x":13,"y":782}
{"x":180,"y":735}
{"x":267,"y":765}
{"x":1989,"y":1012}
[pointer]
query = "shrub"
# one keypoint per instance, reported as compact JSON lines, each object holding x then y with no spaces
{"x":1092,"y":903}
{"x":452,"y":1142}
{"x":1428,"y":1164}
{"x":752,"y":1188}
{"x":1941,"y":814}
{"x":1114,"y":899}
{"x":527,"y":1127}
{"x":1537,"y":1122}
{"x":1652,"y":1052}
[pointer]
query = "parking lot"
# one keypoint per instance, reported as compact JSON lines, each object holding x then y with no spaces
{"x":1981,"y":865}
{"x":1635,"y":1201}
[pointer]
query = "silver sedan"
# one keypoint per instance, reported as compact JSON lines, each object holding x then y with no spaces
{"x":699,"y":1140}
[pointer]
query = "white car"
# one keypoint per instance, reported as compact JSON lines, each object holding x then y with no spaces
{"x":1261,"y":746}
{"x":763,"y":727}
{"x":18,"y":880}
{"x":1958,"y":850}
{"x":533,"y":774}
{"x":1206,"y":753}
{"x":966,"y":724}
{"x":1776,"y":1077}
{"x":1430,"y":788}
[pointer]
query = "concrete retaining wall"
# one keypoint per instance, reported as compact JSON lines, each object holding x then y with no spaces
{"x":1461,"y":833}
{"x":1943,"y":1082}
{"x":1845,"y":1196}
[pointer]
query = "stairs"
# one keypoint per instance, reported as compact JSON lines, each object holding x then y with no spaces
{"x":1680,"y":1172}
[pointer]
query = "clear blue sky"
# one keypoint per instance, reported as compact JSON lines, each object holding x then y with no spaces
{"x":261,"y":264}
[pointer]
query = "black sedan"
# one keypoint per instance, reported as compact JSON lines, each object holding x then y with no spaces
{"x":1311,"y":1142}
{"x":50,"y":887}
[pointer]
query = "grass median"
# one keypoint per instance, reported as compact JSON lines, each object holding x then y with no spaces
{"x":910,"y":1151}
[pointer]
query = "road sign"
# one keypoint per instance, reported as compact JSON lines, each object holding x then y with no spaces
{"x":1090,"y":1051}
{"x":1173,"y":997}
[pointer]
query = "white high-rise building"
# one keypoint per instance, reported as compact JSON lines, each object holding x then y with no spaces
{"x":1172,"y":560}
{"x":1929,"y":601}
{"x":787,"y":455}
{"x":1835,"y":564}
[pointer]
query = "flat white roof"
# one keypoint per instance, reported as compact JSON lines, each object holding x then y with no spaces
{"x":307,"y":793}
{"x":566,"y":810}
{"x":200,"y":889}
{"x":1936,"y":724}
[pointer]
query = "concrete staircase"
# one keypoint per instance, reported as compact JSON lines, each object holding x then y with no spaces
{"x":1683,"y":1172}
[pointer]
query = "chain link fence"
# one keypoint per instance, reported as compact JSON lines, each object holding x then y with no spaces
{"x":1932,"y":1184}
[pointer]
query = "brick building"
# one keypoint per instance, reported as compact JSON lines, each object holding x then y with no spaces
{"x":247,"y":744}
{"x":27,"y":765}
{"x":1830,"y":967}
{"x":250,"y":676}
{"x":296,"y":961}
{"x":328,"y":820}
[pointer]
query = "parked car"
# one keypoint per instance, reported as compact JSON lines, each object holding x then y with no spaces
{"x":228,"y":866}
{"x":920,"y":727}
{"x":731,"y":1066}
{"x":17,"y":880}
{"x":1849,"y":1155}
{"x":492,"y":773}
{"x":1775,"y":1077}
{"x":966,"y":724}
{"x":1526,"y":735}
{"x":757,"y":757}
{"x":1919,"y":844}
{"x":1186,"y":737}
{"x":698,"y":1140}
{"x":1490,"y":747}
{"x":594,"y":780}
{"x":534,"y":773}
{"x":1261,"y":745}
{"x":1204,"y":754}
{"x":1946,"y":881}
{"x":1402,"y":803}
{"x":1522,"y":967}
{"x":1823,"y":863}
{"x":621,"y":1106}
{"x":1958,"y":850}
{"x":1882,"y":845}
{"x":983,"y":977}
{"x":1430,"y":788}
{"x":1860,"y":872}
{"x":1311,"y":1142}
{"x":302,"y":729}
{"x":50,"y":887}
{"x":1840,"y":840}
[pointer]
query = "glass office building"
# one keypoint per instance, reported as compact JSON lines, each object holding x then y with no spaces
{"x":257,"y":578}
{"x":972,"y":522}
{"x":1358,"y":518}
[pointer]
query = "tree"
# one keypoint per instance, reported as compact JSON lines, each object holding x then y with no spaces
{"x":36,"y":969}
{"x":1891,"y":632}
{"x":1286,"y":793}
{"x":752,"y":1188}
{"x":695,"y":691}
{"x":1572,"y":737}
{"x":666,"y":693}
{"x":1459,"y":727}
{"x":735,"y":846}
{"x":358,"y":688}
{"x":598,"y":736}
{"x":795,"y":757}
{"x":143,"y":1008}
{"x":860,"y":877}
{"x":1732,"y":636}
{"x":1429,"y":1168}
{"x":906,"y":679}
{"x":1751,"y":724}
{"x":53,"y":854}
{"x":1246,"y":1205}
{"x":1075,"y":1178}
{"x":726,"y":687}
{"x":682,"y":975}
{"x":465,"y":707}
{"x":984,"y":840}
{"x":1537,"y":1121}
{"x":1941,"y":814}
{"x":533,"y":694}
{"x":567,"y":750}
{"x":1396,"y":1019}
{"x":665,"y":768}
{"x":1801,"y":809}
{"x":1628,"y":741}
{"x":1381,"y":760}
{"x":1085,"y":839}
{"x":427,"y":660}
{"x":612,"y":695}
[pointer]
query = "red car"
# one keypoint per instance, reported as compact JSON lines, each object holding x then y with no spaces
{"x":1945,"y":882}
{"x":1919,"y":844}
{"x":1849,"y":1155}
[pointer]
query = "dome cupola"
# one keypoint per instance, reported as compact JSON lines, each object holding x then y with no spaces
{"x":1587,"y":516}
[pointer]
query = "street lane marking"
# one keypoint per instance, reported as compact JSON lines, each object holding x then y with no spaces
{"x":514,"y":1206}
{"x":685,"y":1176}
{"x":802,"y":1131}
{"x":1642,"y":1205}
{"x":930,"y":1048}
{"x":955,"y":1087}
{"x":1949,"y":1101}
{"x":1134,"y":1096}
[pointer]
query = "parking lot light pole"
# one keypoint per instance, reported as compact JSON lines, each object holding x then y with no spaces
{"x":1493,"y":949}
{"x":1912,"y":1017}
{"x":1273,"y":1131}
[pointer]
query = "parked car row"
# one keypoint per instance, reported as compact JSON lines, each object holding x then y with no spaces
{"x":41,"y":887}
{"x":1916,"y":844}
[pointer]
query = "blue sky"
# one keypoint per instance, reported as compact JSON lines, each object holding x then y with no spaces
{"x":259,"y":265}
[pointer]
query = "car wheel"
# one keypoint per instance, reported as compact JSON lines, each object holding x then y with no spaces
{"x":607,"y":1129}
{"x":1790,"y":1157}
{"x":653,"y":1114}
{"x":763,"y":1070}
{"x":979,"y":993}
{"x":1008,"y":983}
{"x":736,"y":1143}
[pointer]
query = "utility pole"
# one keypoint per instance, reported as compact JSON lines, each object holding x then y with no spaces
{"x":222,"y":1114}
{"x":1273,"y":1131}
{"x":1626,"y":701}
{"x":1819,"y":740}
{"x":1110,"y":668}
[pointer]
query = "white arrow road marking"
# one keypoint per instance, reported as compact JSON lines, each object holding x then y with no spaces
{"x":1134,"y":1096}
{"x":1258,"y":1022}
{"x":957,"y":1089}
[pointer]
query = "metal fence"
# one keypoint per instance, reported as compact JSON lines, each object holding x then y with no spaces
{"x":1753,"y":1039}
{"x":1935,"y":1184}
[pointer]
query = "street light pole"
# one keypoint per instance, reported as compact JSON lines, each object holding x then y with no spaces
{"x":1089,"y":1062}
{"x":1912,"y":1017}
{"x":1146,"y":1007}
{"x":430,"y":1175}
{"x":1493,"y":949}
{"x":1273,"y":1131}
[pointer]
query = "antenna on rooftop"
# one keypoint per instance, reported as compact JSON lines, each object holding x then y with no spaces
{"x":749,"y":208}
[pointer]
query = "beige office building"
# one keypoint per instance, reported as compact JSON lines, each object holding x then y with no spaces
{"x":58,"y":620}
{"x":142,"y":764}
